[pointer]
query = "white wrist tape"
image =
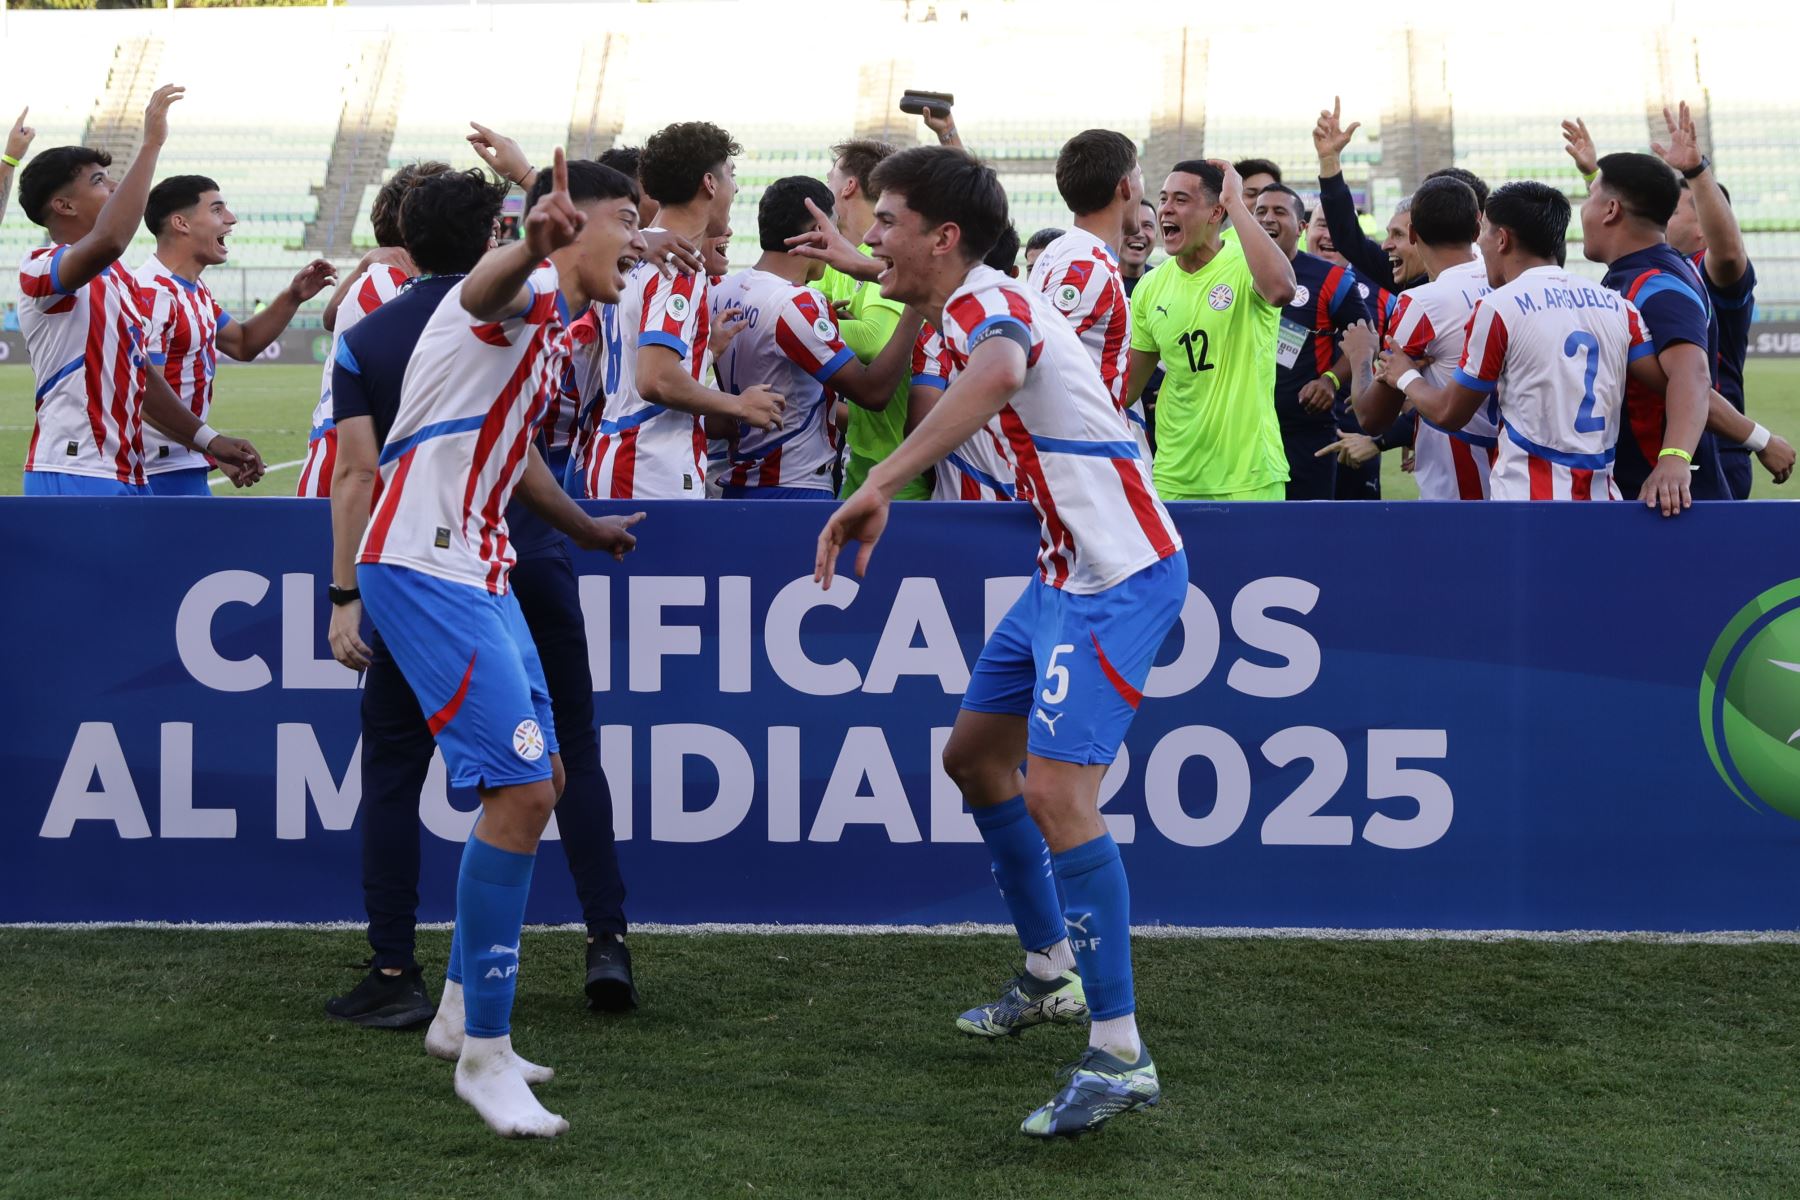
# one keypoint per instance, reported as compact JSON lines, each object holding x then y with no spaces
{"x":1407,"y":380}
{"x":203,"y":436}
{"x":1758,"y":439}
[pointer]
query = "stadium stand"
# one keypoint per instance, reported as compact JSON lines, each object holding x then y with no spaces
{"x":385,"y":85}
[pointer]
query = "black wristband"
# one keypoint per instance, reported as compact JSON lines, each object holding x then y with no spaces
{"x":341,"y":596}
{"x":1696,"y":172}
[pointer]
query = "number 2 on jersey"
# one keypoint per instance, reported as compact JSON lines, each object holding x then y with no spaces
{"x":1585,"y":420}
{"x":1189,"y":341}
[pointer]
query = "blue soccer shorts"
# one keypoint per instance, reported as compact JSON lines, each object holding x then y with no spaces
{"x":61,"y":483}
{"x":471,"y":662}
{"x":1075,"y":665}
{"x":189,"y":481}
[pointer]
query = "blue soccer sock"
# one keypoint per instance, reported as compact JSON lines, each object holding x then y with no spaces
{"x":1022,"y":869}
{"x":453,"y":972}
{"x":491,"y":890}
{"x":1097,"y":906}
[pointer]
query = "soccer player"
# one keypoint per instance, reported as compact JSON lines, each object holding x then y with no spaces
{"x":1037,"y":243}
{"x":1257,"y":174}
{"x":651,"y":444}
{"x":1098,"y":176}
{"x":186,"y":330}
{"x":447,"y":228}
{"x":83,"y":322}
{"x":1209,"y":316}
{"x":377,"y":279}
{"x":790,"y":346}
{"x":433,"y":571}
{"x":1134,"y":264}
{"x":1705,"y":231}
{"x":1433,"y":318}
{"x":18,"y":142}
{"x":1311,"y":372}
{"x":1060,"y":679}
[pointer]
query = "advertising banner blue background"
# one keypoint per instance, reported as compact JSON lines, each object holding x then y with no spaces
{"x":1373,"y":715}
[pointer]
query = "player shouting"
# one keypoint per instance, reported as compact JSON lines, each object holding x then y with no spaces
{"x":1059,"y":680}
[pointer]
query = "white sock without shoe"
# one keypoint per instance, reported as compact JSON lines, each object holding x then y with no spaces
{"x":445,"y":1037}
{"x":488,"y":1080}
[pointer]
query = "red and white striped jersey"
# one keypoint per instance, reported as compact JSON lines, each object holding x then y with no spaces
{"x":563,"y":411}
{"x":978,"y":469}
{"x":472,"y":400}
{"x":181,"y":335}
{"x":1080,"y":275}
{"x":645,"y":451}
{"x":1071,"y":449}
{"x":87,"y":352}
{"x":1430,"y":323}
{"x":1554,"y":348}
{"x":368,"y":292}
{"x":789,"y":343}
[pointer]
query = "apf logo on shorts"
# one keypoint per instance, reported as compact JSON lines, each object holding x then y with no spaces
{"x":528,"y":740}
{"x":1750,"y":701}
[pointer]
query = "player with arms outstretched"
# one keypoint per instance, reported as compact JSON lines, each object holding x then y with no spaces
{"x":1061,"y":677}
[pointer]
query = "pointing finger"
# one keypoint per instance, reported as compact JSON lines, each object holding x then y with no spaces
{"x":559,"y":173}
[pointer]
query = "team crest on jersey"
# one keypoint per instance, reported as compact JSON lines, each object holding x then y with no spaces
{"x":1067,"y":296}
{"x":528,"y":740}
{"x":678,"y":306}
{"x":1362,"y":289}
{"x":1221,"y":297}
{"x":1301,"y":296}
{"x":825,"y":329}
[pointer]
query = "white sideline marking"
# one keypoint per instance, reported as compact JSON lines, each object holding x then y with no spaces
{"x":267,"y":471}
{"x":1721,"y":937}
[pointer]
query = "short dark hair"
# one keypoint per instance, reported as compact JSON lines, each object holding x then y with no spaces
{"x":384,"y":214}
{"x":1089,"y":167}
{"x":781,"y":213}
{"x":1446,"y":212}
{"x":1005,"y":254}
{"x":177,"y":193}
{"x":448,"y":219}
{"x":947,"y":185}
{"x":1284,"y":189}
{"x":1647,"y":186}
{"x":1723,"y":190}
{"x":1246,"y":167}
{"x":623,"y":159}
{"x":1211,"y":178}
{"x":589,"y":181}
{"x":859,"y":157}
{"x":1535,"y":213}
{"x":49,"y":171}
{"x":676,"y":159}
{"x":1043,"y":238}
{"x":1475,"y":183}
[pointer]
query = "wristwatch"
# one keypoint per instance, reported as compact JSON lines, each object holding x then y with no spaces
{"x":341,"y":596}
{"x":1696,"y":172}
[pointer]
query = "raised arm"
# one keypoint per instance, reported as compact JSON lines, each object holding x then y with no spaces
{"x":1363,"y":252}
{"x":1726,"y":258}
{"x":1269,"y":267}
{"x":496,"y":288}
{"x":18,"y":141}
{"x":873,"y":386}
{"x":244,"y":340}
{"x":118,"y":220}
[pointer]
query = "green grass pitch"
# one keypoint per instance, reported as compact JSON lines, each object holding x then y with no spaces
{"x":271,"y":406}
{"x":198,"y":1064}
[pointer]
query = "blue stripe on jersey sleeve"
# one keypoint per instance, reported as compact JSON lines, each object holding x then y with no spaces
{"x":928,"y":381}
{"x":1641,"y":350}
{"x":1485,"y":387}
{"x":824,"y":373}
{"x":530,"y":299}
{"x":657,"y":337}
{"x":1001,"y":323}
{"x":56,"y":271}
{"x":1346,"y":284}
{"x":346,"y":358}
{"x":224,"y":319}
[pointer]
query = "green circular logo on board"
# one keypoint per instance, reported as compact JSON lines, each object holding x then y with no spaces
{"x":1750,"y":701}
{"x":321,"y":347}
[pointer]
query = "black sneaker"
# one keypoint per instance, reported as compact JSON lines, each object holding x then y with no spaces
{"x":609,"y":987}
{"x":385,"y":1001}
